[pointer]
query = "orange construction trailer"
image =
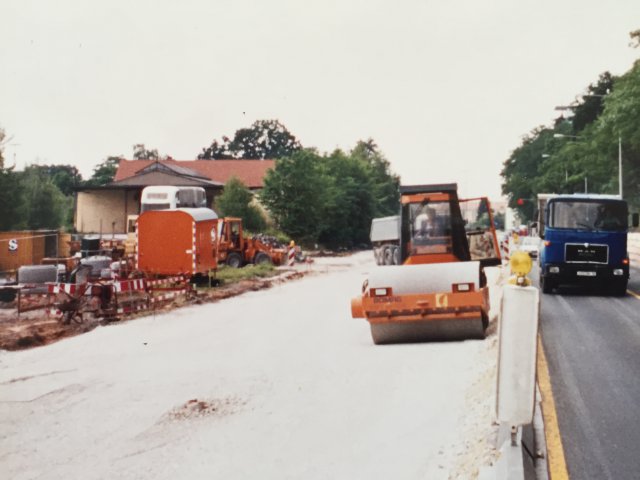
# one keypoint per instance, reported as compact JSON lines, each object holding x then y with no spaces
{"x":181,"y":241}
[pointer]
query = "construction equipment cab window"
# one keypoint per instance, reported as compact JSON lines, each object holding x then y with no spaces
{"x":430,"y":227}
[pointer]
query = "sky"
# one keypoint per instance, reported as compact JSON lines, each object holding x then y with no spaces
{"x":446,"y":89}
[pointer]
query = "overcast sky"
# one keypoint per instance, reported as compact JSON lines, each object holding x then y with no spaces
{"x":445,"y":88}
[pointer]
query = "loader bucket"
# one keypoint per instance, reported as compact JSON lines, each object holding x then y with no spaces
{"x":418,"y":303}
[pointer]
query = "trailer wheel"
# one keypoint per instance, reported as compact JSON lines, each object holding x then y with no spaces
{"x":234,"y":260}
{"x":262,"y":259}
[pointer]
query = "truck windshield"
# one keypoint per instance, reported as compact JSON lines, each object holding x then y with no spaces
{"x":588,"y":215}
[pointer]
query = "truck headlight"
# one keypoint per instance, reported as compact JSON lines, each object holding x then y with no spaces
{"x":618,"y":271}
{"x":554,"y":269}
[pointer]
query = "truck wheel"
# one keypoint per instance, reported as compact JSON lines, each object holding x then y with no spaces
{"x":546,"y":285}
{"x":388,"y":255}
{"x":619,"y":288}
{"x":378,"y":254}
{"x":262,"y":259}
{"x":234,"y":260}
{"x":396,"y":255}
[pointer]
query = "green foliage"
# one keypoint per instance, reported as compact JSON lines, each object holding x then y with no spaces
{"x":349,"y":202}
{"x":295,"y":194}
{"x":141,"y":153}
{"x":331,"y":199}
{"x":10,"y":199}
{"x":66,"y":177}
{"x":43,"y":204}
{"x":235,"y":201}
{"x":104,"y":172}
{"x":264,"y":139}
{"x":587,"y":155}
{"x":3,"y":140}
{"x":385,"y":185}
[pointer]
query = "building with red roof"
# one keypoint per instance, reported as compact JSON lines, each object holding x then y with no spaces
{"x":105,"y":209}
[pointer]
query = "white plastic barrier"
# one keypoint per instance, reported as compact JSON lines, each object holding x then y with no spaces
{"x":517,"y":355}
{"x":634,"y":248}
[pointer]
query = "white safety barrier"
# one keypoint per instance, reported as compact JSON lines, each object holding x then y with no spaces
{"x":291,"y":256}
{"x":517,"y":355}
{"x":634,"y":249}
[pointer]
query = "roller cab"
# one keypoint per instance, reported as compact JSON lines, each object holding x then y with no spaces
{"x":439,"y":292}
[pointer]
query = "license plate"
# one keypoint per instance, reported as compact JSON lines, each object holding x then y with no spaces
{"x":586,"y":274}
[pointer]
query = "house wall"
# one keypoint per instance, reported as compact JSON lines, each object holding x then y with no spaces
{"x":105,"y":210}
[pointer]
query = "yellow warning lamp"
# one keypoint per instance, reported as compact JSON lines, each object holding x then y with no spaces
{"x":520,"y":264}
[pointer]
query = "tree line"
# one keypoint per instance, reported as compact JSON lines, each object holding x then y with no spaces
{"x":313,"y":197}
{"x":579,"y":152}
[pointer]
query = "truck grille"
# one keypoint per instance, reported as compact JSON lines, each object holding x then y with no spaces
{"x":586,"y":253}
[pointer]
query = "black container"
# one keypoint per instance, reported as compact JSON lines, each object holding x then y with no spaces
{"x":89,"y":246}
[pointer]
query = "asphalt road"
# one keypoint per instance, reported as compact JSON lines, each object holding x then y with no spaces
{"x":591,"y":342}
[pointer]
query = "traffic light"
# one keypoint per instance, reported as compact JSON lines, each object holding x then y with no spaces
{"x":520,"y":201}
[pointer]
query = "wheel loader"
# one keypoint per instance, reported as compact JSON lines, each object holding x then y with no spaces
{"x":438,"y":292}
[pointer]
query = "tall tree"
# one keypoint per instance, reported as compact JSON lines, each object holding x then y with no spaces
{"x":104,"y":172}
{"x":10,"y":194}
{"x":295,"y":194}
{"x":142,"y":153}
{"x":385,"y":185}
{"x":65,"y":177}
{"x":43,"y":205}
{"x":350,"y":203}
{"x":264,"y":139}
{"x":589,"y":109}
{"x":236,"y":201}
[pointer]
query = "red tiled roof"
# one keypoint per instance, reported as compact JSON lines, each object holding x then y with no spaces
{"x":250,"y":172}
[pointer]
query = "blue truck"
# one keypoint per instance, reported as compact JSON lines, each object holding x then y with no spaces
{"x":584,"y":241}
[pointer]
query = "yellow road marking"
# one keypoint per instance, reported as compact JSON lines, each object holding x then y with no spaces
{"x":634,"y":294}
{"x":555,"y":452}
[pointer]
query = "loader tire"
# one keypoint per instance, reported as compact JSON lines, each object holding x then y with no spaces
{"x":262,"y":259}
{"x":234,"y":260}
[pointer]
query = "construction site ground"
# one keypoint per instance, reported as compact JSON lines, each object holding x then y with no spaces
{"x":39,"y":327}
{"x":278,"y":383}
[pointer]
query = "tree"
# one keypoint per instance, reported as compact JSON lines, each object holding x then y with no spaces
{"x":66,"y":177}
{"x":43,"y":204}
{"x":141,"y":153}
{"x":104,"y":172}
{"x":385,"y":185}
{"x":3,"y":140}
{"x":592,"y":104}
{"x":264,"y":139}
{"x":521,"y":170}
{"x":236,"y":201}
{"x":10,"y":195}
{"x":350,"y":203}
{"x":295,"y":194}
{"x":331,"y":199}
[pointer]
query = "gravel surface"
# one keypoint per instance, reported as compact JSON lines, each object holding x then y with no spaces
{"x":280,"y":383}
